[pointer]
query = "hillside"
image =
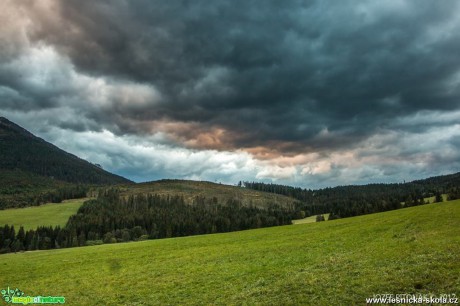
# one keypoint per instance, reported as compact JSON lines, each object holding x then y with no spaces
{"x":354,"y":200}
{"x":33,"y":171}
{"x":50,"y":214}
{"x":446,"y":181}
{"x":190,"y":190}
{"x":342,"y":262}
{"x":20,"y":150}
{"x":156,"y":210}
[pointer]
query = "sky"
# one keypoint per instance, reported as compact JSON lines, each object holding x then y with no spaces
{"x":303,"y":93}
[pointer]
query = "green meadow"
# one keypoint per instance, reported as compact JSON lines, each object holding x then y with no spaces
{"x":339,"y":262}
{"x":46,"y":214}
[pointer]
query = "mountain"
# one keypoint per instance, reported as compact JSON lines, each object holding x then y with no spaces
{"x":21,"y":150}
{"x":33,"y":171}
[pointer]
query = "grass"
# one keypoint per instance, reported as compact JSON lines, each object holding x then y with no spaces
{"x":311,"y":219}
{"x":191,"y":189}
{"x":46,"y":214}
{"x":339,"y":262}
{"x":432,"y":199}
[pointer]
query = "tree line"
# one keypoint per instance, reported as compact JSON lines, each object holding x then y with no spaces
{"x":111,"y":218}
{"x":348,"y":201}
{"x":11,"y":197}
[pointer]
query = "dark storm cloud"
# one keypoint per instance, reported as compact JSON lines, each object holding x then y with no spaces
{"x":295,"y":75}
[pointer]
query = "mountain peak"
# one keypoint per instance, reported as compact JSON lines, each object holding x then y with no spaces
{"x":21,"y":150}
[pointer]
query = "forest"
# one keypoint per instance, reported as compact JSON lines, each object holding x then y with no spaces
{"x":111,"y":218}
{"x":348,"y":201}
{"x":23,"y":195}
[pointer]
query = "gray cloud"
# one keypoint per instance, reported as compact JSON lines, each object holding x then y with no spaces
{"x":301,"y":67}
{"x":272,"y":78}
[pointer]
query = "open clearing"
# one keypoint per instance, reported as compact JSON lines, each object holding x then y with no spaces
{"x":339,"y":262}
{"x":46,"y":214}
{"x":311,"y":219}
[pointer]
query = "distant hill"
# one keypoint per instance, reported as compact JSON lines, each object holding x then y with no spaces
{"x":193,"y":190}
{"x":20,"y":150}
{"x":354,"y":200}
{"x":446,"y":181}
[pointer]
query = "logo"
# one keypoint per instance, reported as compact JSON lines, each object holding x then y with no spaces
{"x":16,"y":296}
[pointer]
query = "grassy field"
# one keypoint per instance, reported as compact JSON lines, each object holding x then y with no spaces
{"x":311,"y":219}
{"x":47,"y":214}
{"x":339,"y":262}
{"x":190,"y":189}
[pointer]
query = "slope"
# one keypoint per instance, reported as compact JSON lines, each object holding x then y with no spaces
{"x":341,"y":262}
{"x":50,"y":214}
{"x":20,"y":150}
{"x":33,"y":171}
{"x":191,"y":190}
{"x":353,"y":200}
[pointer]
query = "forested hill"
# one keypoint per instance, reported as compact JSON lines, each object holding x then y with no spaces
{"x":346,"y":201}
{"x":20,"y":150}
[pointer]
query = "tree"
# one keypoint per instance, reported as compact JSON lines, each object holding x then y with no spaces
{"x":81,"y":239}
{"x":137,"y":231}
{"x":21,"y":235}
{"x":319,"y":218}
{"x":300,"y":214}
{"x":17,"y":246}
{"x":333,"y":216}
{"x":109,"y":238}
{"x":409,"y":201}
{"x":125,"y":236}
{"x":438,"y":197}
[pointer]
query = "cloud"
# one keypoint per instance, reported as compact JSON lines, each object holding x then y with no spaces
{"x":300,"y":91}
{"x":41,"y":79}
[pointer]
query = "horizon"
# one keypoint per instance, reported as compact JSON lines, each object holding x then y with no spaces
{"x":236,"y":184}
{"x":306,"y":188}
{"x":311,"y":95}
